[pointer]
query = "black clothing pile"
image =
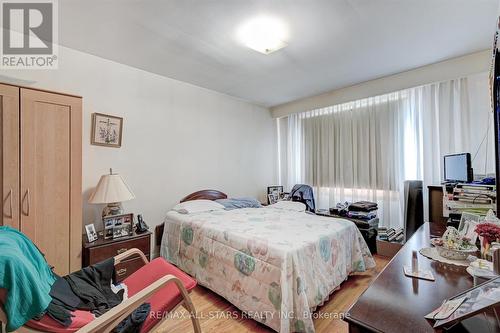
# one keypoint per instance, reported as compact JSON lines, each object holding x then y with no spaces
{"x":363,"y":210}
{"x":133,"y":323}
{"x":304,"y":193}
{"x":90,"y":289}
{"x":363,"y":206}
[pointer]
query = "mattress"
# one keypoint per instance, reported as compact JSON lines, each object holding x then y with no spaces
{"x":275,"y":265}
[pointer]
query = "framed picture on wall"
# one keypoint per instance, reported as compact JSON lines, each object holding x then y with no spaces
{"x":106,"y":130}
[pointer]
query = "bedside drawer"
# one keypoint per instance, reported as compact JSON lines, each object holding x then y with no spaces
{"x":100,"y":253}
{"x":127,"y":268}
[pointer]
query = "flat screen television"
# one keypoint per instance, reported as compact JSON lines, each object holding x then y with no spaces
{"x":457,"y":168}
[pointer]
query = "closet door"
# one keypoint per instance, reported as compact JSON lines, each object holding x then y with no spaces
{"x":9,"y":155}
{"x":51,"y":204}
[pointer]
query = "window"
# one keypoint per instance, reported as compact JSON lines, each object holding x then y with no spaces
{"x":366,"y":149}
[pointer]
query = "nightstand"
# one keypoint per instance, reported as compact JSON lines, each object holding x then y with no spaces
{"x":103,"y":249}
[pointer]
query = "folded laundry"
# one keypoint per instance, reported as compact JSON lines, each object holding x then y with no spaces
{"x":362,"y":215}
{"x":363,"y":206}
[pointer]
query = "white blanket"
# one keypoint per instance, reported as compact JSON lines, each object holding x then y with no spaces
{"x":275,"y":265}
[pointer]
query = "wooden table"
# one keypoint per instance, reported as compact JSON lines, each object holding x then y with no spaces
{"x":396,"y":303}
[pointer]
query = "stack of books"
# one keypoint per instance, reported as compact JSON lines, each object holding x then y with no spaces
{"x":363,"y":210}
{"x":472,"y":193}
{"x":391,"y":234}
{"x":382,"y":233}
{"x":476,"y":198}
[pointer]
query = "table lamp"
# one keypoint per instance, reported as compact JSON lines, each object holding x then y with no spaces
{"x":111,"y":190}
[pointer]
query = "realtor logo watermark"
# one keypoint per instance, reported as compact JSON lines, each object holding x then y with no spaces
{"x":29,"y":34}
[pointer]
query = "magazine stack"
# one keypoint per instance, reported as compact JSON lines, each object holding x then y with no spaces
{"x":474,"y":198}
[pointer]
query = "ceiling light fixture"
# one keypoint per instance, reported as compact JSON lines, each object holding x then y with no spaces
{"x":263,"y":34}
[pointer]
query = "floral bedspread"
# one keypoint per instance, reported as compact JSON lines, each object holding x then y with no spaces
{"x":275,"y":265}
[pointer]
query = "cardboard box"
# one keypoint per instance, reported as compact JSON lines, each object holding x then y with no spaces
{"x":388,"y":249}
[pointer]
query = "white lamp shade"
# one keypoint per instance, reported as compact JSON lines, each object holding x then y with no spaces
{"x":111,"y":188}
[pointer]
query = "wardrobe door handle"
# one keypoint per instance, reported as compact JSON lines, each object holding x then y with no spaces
{"x":29,"y":201}
{"x":27,"y":198}
{"x":11,"y":215}
{"x":10,"y":203}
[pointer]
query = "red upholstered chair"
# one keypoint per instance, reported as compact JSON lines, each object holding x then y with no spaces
{"x":158,"y":282}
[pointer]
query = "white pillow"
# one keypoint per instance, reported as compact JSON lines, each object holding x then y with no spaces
{"x":289,"y":205}
{"x":197,"y":206}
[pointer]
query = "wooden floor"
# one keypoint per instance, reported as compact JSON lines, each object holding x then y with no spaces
{"x":209,"y":307}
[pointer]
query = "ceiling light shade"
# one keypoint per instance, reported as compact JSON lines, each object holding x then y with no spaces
{"x":263,"y":34}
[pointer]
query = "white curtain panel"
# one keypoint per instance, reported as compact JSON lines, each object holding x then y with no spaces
{"x":450,"y":123}
{"x":349,"y":152}
{"x":364,"y":150}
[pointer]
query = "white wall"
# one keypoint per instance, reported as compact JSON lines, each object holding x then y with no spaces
{"x":177,"y":138}
{"x":441,"y":71}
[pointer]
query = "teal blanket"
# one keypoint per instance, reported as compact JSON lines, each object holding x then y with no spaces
{"x":26,"y":276}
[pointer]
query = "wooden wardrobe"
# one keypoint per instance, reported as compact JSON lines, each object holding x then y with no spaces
{"x":41,"y":168}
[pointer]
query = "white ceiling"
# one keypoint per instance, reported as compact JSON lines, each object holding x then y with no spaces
{"x":333,"y":43}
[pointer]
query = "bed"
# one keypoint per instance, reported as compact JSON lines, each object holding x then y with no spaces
{"x":275,"y":265}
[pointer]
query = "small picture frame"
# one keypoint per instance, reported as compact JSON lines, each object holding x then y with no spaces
{"x":275,"y":193}
{"x":272,"y":199}
{"x":467,"y":226}
{"x":106,"y":130}
{"x":91,"y":233}
{"x":109,"y":224}
{"x":117,"y":226}
{"x":470,"y":231}
{"x":123,"y":230}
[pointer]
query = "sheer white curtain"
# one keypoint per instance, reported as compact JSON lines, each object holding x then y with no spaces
{"x":349,"y":152}
{"x":454,"y":119}
{"x":364,"y":150}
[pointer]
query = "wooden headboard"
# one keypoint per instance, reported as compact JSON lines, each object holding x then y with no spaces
{"x":205,"y":194}
{"x":198,"y":195}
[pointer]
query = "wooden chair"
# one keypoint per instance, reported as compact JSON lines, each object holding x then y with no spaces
{"x":168,"y":289}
